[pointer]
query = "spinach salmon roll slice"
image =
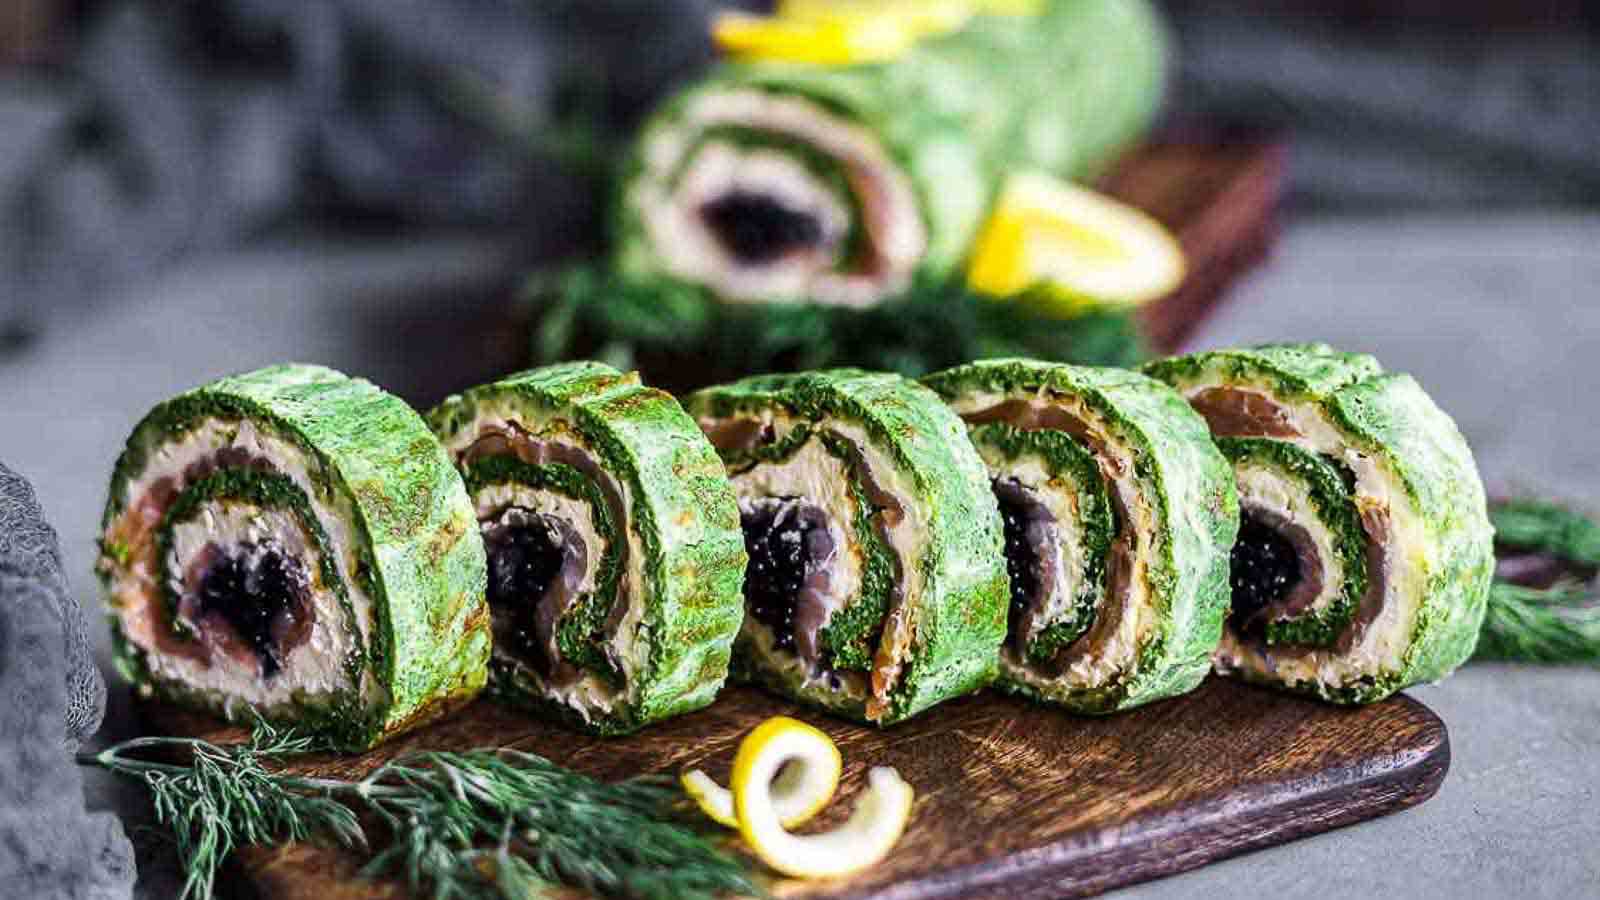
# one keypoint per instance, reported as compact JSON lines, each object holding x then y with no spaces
{"x":1365,"y":552}
{"x":776,"y":181}
{"x":876,"y":587}
{"x":615,"y":557}
{"x":1119,"y":514}
{"x":295,"y":542}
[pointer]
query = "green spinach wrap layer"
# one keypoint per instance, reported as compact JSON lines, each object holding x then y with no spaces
{"x":840,"y":185}
{"x":1365,"y":552}
{"x":295,"y":542}
{"x":877,"y":586}
{"x":1119,"y":514}
{"x":615,"y":557}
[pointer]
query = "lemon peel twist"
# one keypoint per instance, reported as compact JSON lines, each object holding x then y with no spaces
{"x":798,"y":793}
{"x":784,"y":773}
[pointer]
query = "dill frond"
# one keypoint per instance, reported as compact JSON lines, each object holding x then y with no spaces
{"x":477,"y":825}
{"x":681,"y":338}
{"x":1557,"y":624}
{"x":493,"y":823}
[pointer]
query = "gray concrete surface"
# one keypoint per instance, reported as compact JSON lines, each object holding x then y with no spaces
{"x":1499,"y":318}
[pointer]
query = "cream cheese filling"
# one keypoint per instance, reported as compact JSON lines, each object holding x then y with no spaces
{"x":313,"y":670}
{"x":681,"y":173}
{"x":494,"y":499}
{"x":1113,"y":654}
{"x":314,"y":667}
{"x":1059,"y":497}
{"x":1262,"y":487}
{"x":1411,"y":560}
{"x":820,"y":478}
{"x":589,"y":692}
{"x":696,"y":252}
{"x":590,"y":695}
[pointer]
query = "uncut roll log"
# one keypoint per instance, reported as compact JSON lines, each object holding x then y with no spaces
{"x":615,"y":556}
{"x":1365,"y":552}
{"x":876,"y":586}
{"x":294,"y":543}
{"x":1118,"y":513}
{"x":778,"y":182}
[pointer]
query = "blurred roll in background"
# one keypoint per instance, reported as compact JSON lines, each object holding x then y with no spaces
{"x":134,"y":134}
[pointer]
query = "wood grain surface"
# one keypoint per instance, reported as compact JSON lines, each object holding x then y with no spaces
{"x":1013,"y":800}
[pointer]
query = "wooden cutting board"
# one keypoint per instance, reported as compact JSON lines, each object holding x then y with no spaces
{"x":1013,"y":800}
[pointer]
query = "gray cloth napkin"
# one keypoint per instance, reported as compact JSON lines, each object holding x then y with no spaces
{"x":51,"y":698}
{"x":30,"y":568}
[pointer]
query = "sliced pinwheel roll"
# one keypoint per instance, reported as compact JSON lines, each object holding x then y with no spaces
{"x":295,"y":542}
{"x":876,"y":585}
{"x":615,"y":557}
{"x":1365,"y":554}
{"x":783,"y":181}
{"x":1118,"y":513}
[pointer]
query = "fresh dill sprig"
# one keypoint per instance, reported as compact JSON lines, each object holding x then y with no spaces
{"x":475,"y":825}
{"x":1545,"y":527}
{"x":681,"y":338}
{"x":495,"y":823}
{"x":1560,"y":624}
{"x":1555,"y":624}
{"x":226,"y":797}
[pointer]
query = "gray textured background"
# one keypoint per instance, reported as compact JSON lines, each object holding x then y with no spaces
{"x":1496,"y":316}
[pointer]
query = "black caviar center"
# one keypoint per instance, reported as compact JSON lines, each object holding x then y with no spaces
{"x":524,"y":559}
{"x":1264,"y":569}
{"x":775,"y":537}
{"x":757,"y":228}
{"x":1022,"y":557}
{"x":251,"y":587}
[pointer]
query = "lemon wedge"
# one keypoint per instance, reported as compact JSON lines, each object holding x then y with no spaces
{"x":1071,"y":249}
{"x":847,"y":32}
{"x":800,"y":790}
{"x":833,"y":40}
{"x":921,"y":17}
{"x":872,"y":830}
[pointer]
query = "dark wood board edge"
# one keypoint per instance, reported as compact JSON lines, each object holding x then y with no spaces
{"x":1165,"y":849}
{"x":1189,"y":839}
{"x":1238,"y":816}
